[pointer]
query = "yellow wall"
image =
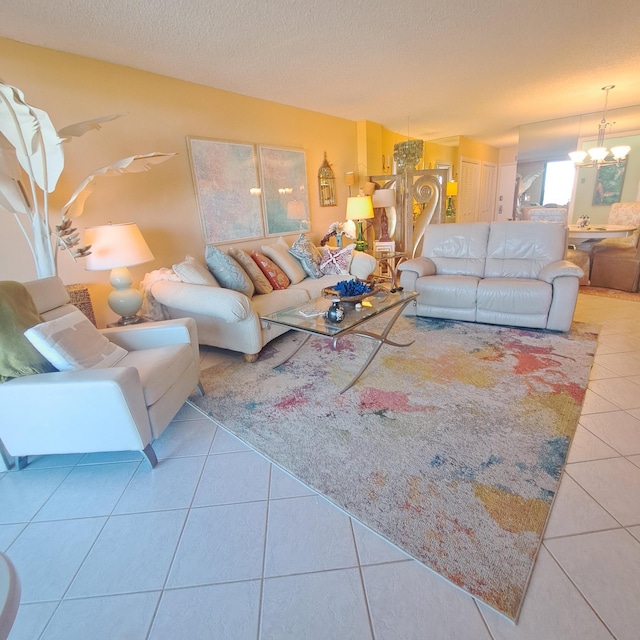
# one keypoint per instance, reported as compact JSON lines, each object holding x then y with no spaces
{"x":468,"y":148}
{"x":160,"y":113}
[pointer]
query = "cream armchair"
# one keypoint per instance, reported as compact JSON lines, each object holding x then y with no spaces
{"x":124,"y":407}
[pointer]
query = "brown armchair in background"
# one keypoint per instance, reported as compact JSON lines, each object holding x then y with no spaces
{"x":616,"y":268}
{"x":615,"y":262}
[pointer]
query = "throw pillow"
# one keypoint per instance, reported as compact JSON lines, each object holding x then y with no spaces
{"x":336,"y":261}
{"x":227,"y":271}
{"x":308,"y":254}
{"x":72,"y":342}
{"x":258,"y":278}
{"x":18,"y":357}
{"x":279,"y":253}
{"x":274,"y":274}
{"x":192,"y":271}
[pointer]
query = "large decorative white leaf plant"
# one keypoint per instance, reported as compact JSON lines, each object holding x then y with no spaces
{"x":31,"y":161}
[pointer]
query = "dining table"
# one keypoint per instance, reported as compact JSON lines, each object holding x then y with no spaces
{"x":591,"y":233}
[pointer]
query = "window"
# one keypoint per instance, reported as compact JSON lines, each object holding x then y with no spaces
{"x":558,"y":182}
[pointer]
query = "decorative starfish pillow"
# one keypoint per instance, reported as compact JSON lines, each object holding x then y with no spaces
{"x":336,"y":261}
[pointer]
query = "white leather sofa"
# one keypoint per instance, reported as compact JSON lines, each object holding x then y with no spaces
{"x":230,"y":320}
{"x":506,"y":273}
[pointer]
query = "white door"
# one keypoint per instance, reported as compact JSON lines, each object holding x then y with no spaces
{"x":506,"y":192}
{"x":468,"y":190}
{"x":487,"y":197}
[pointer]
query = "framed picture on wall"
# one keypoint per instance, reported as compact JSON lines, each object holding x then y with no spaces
{"x":284,"y":190}
{"x":609,"y":181}
{"x":225,"y":176}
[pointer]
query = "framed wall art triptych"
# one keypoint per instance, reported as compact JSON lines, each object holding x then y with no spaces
{"x":247,"y":191}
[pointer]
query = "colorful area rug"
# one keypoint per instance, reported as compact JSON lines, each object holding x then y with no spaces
{"x":610,"y":293}
{"x":452,"y":448}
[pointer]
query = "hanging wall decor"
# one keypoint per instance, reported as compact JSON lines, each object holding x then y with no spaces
{"x":326,"y":184}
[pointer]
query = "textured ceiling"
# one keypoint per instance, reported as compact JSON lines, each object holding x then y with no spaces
{"x":430,"y":69}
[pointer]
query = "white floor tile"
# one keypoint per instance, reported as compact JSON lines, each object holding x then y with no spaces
{"x":307,"y":534}
{"x":605,"y":567}
{"x":586,"y":446}
{"x":89,"y":491}
{"x":598,"y":372}
{"x":53,"y":461}
{"x":132,"y":553}
{"x":111,"y":457}
{"x":47,"y":555}
{"x":621,"y":392}
{"x":220,"y":544}
{"x":553,"y":609}
{"x":614,"y":483}
{"x":185,"y":438}
{"x":8,"y":533}
{"x":329,"y":605}
{"x":31,"y":620}
{"x":634,"y":460}
{"x":233,"y":477}
{"x":618,"y":429}
{"x":284,"y":485}
{"x":635,"y":532}
{"x":593,"y":403}
{"x":105,"y":618}
{"x":171,"y":485}
{"x":621,"y":363}
{"x":22,"y":493}
{"x":229,"y":611}
{"x":373,"y":548}
{"x":225,"y":442}
{"x":408,"y":601}
{"x":575,"y":511}
{"x":188,"y":412}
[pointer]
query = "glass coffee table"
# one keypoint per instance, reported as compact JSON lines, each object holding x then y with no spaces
{"x":309,"y":318}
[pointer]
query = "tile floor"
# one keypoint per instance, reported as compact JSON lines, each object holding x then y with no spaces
{"x":218,"y":543}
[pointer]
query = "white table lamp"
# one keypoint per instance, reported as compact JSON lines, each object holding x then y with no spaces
{"x":116,"y":247}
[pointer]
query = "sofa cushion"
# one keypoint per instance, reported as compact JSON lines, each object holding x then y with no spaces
{"x":455,"y":292}
{"x":278,"y":299}
{"x":278,"y":252}
{"x":258,"y":278}
{"x":514,"y":301}
{"x":275,"y":275}
{"x":457,"y":249}
{"x":72,"y":342}
{"x":192,"y":271}
{"x":227,"y":271}
{"x":308,"y":254}
{"x":336,"y":261}
{"x":18,"y":312}
{"x":522,"y":249}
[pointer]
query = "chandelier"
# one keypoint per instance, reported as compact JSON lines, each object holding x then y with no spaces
{"x":600,"y":155}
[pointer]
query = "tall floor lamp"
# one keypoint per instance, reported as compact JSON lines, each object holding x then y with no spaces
{"x":116,"y":247}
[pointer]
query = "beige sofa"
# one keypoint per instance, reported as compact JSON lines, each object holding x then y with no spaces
{"x":231,"y":320}
{"x":506,"y":273}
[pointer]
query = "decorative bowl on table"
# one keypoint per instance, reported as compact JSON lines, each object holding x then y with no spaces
{"x":354,"y":290}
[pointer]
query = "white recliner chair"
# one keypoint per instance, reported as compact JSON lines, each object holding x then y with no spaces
{"x":124,"y":407}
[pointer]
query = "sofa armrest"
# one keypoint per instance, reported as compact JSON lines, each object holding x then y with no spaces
{"x":215,"y":302}
{"x":153,"y":334}
{"x":104,"y":409}
{"x":421,"y":266}
{"x":561,"y":268}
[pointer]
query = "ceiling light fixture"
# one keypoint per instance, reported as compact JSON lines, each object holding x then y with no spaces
{"x":600,"y":155}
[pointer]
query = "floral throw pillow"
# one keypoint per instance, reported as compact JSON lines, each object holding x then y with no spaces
{"x":308,"y":254}
{"x":336,"y":261}
{"x":275,"y":275}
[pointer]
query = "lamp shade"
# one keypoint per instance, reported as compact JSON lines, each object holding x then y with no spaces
{"x":384,"y":198}
{"x":115,"y":245}
{"x":359,"y":208}
{"x":452,"y":188}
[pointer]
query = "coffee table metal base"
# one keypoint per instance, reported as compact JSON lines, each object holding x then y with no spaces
{"x":378,"y":338}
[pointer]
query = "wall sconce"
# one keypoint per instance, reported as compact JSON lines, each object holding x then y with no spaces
{"x":349,"y":180}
